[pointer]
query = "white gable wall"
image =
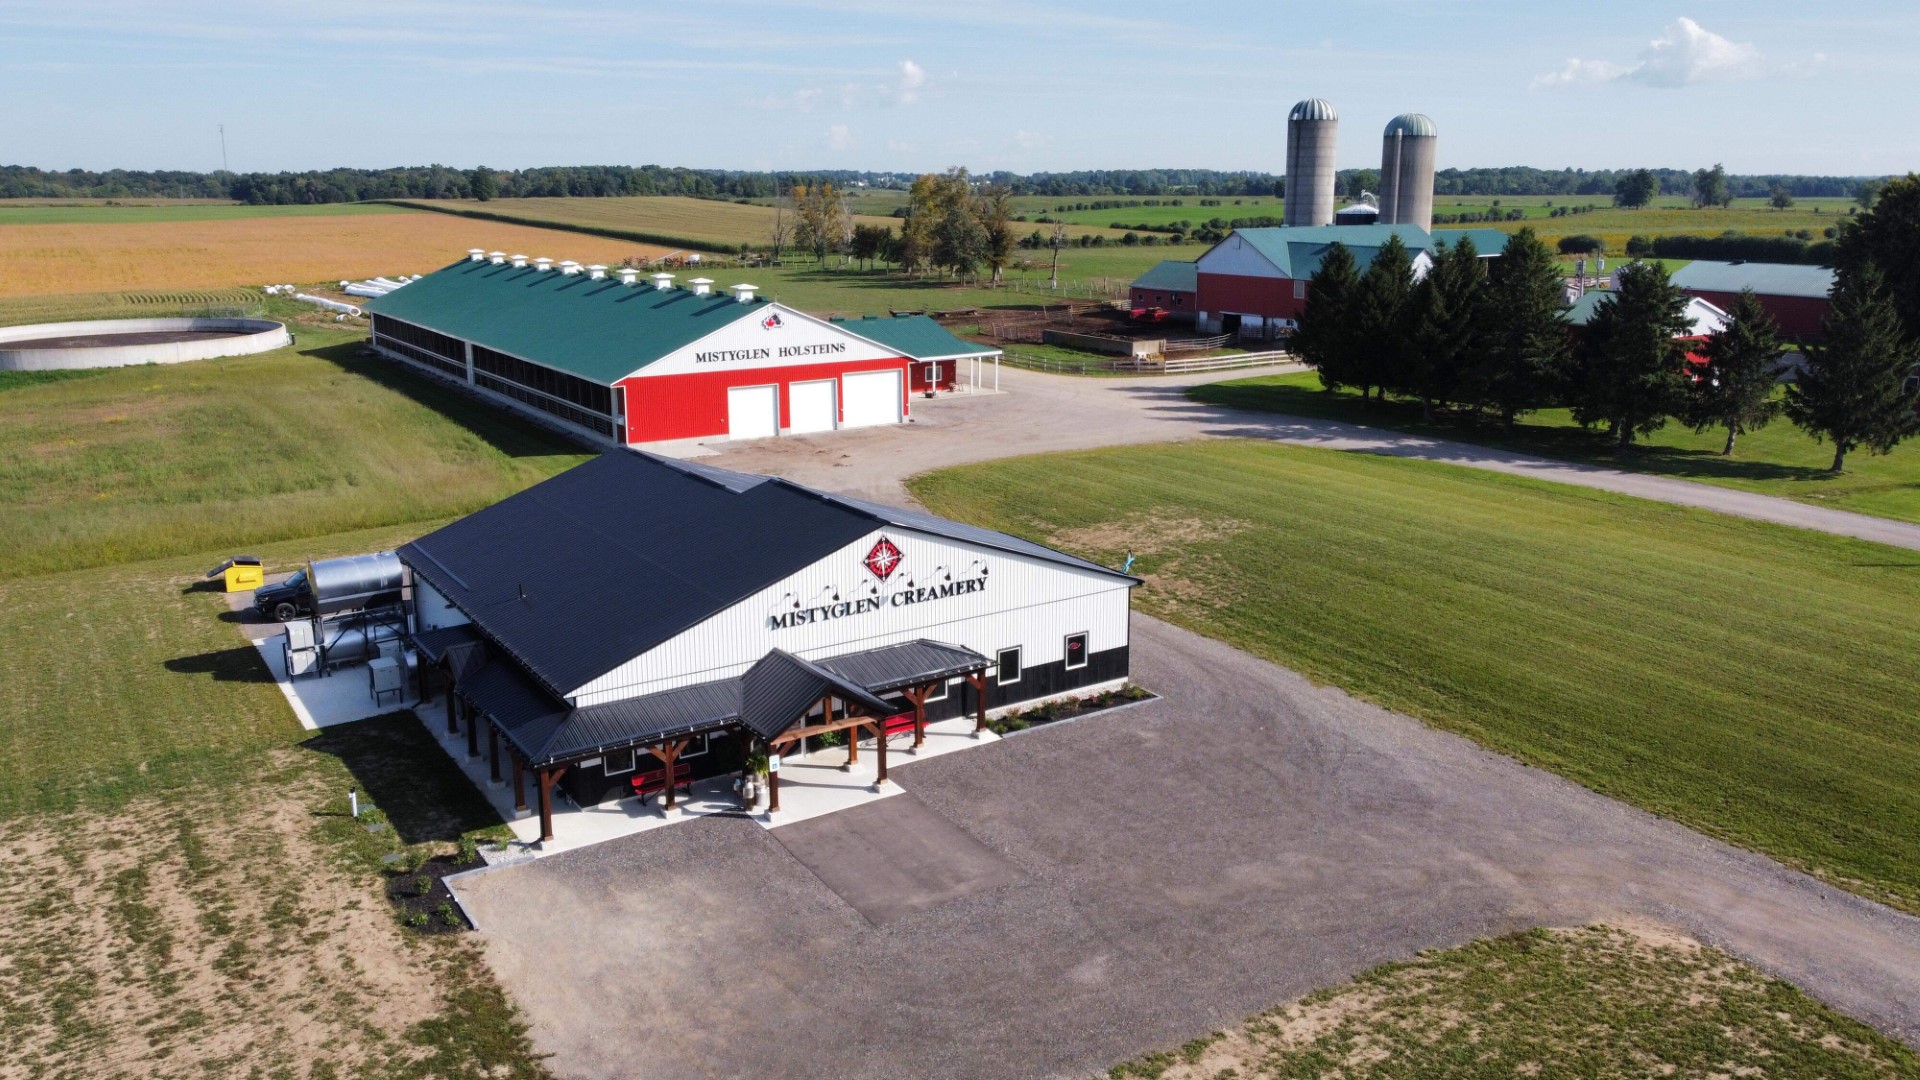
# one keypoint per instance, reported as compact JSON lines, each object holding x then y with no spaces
{"x":1026,"y":602}
{"x":795,"y":340}
{"x":1235,"y":256}
{"x":431,"y":608}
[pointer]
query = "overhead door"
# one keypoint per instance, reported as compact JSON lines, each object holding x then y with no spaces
{"x":813,"y":406}
{"x":753,"y":412}
{"x":872,"y":397}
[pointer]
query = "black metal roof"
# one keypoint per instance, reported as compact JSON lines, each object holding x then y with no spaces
{"x":912,"y":663}
{"x":582,"y":572}
{"x":777,"y":690}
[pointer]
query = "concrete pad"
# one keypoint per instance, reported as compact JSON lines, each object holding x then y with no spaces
{"x":821,"y":783}
{"x":895,"y":858}
{"x":325,"y":700}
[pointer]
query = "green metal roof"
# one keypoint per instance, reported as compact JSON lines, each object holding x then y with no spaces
{"x":1767,"y":279}
{"x":1413,"y":125}
{"x":1297,"y":250}
{"x":1170,"y":275}
{"x":599,"y":330}
{"x":914,"y":336}
{"x":1485,"y":241}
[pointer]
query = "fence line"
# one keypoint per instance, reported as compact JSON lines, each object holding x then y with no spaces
{"x":1144,"y":366}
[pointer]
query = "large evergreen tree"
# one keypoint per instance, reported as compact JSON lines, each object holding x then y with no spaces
{"x":1325,"y":335}
{"x":1381,"y":318}
{"x":1446,"y":309}
{"x":1630,"y":369}
{"x":1854,"y":388}
{"x":1735,"y":388}
{"x":1888,"y":237}
{"x":1524,"y":342}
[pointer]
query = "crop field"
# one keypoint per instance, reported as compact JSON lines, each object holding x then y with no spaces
{"x":1779,"y":459}
{"x":26,"y":212}
{"x":698,"y":224}
{"x":1748,"y":680}
{"x":172,"y":256}
{"x":124,"y":305}
{"x":137,"y":463}
{"x":1602,"y":1002}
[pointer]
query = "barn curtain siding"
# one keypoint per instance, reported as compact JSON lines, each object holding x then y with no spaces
{"x":573,"y":399}
{"x":417,"y":343}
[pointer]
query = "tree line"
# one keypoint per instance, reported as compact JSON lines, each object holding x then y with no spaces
{"x":446,"y":182}
{"x":950,"y":224}
{"x":1490,"y":338}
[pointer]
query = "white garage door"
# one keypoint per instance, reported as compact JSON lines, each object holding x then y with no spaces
{"x":753,"y":412}
{"x":813,"y":406}
{"x":873,"y":397}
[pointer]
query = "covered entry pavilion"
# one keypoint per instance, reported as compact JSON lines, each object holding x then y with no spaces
{"x":775,"y":705}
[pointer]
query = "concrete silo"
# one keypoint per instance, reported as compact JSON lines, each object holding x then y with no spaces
{"x":1311,"y":129}
{"x":1406,"y":171}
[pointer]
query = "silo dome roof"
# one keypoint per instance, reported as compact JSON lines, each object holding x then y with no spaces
{"x":1314,"y":109}
{"x":1413,"y":125}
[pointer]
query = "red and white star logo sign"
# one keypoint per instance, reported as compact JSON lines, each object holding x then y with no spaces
{"x":882,"y":560}
{"x":772,"y":321}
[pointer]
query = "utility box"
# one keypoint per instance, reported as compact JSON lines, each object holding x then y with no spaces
{"x":385,"y":675}
{"x":242,"y":573}
{"x":302,"y":654}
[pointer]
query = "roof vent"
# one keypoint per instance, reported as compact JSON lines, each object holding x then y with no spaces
{"x":627,"y":275}
{"x":542,"y":263}
{"x":496,"y":257}
{"x":597,"y":272}
{"x":743,"y":293}
{"x":476,"y":255}
{"x":701,"y":285}
{"x":663,"y":281}
{"x":569,"y":267}
{"x":520,"y":261}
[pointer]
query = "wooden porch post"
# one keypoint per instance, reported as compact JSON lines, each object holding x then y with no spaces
{"x":493,"y":749}
{"x":452,"y":727}
{"x":880,"y":738}
{"x":668,"y":753}
{"x":853,"y":734}
{"x":918,"y":696}
{"x":979,"y":683}
{"x":773,"y":781}
{"x":473,"y":733}
{"x":546,"y":805}
{"x":519,"y":784}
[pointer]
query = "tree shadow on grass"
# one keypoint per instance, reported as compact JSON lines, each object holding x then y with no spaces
{"x":242,"y":663}
{"x":502,"y":430}
{"x":398,"y":766}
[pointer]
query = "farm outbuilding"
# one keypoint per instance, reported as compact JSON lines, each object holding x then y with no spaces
{"x":1255,"y":282}
{"x":627,"y":361}
{"x":1796,"y":296}
{"x":1169,"y":286}
{"x":638,"y":616}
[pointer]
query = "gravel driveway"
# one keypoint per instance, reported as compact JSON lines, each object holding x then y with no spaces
{"x":1123,"y":883}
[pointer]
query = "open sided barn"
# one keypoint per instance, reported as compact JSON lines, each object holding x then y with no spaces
{"x":623,"y":361}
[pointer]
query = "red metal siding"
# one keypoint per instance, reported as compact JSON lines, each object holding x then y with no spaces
{"x":695,"y":406}
{"x":1264,"y":296}
{"x":942,"y":376}
{"x":1798,"y":316}
{"x":1170,"y":300}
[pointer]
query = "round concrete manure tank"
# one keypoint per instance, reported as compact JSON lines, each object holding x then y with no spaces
{"x":1406,"y":171}
{"x":103,"y":343}
{"x":1313,"y":126}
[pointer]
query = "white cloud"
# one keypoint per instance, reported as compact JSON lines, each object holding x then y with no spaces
{"x":840,"y":138}
{"x":1685,"y":54}
{"x":912,"y":78}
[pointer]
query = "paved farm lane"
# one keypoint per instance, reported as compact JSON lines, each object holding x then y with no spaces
{"x":1045,"y":413}
{"x":1143,"y":877}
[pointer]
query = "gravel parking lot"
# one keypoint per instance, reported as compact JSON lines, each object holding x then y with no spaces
{"x":1118,"y":884}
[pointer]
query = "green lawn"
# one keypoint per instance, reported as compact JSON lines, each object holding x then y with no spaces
{"x":1752,"y":681}
{"x":137,"y":463}
{"x":1600,"y":1003}
{"x":101,"y":214}
{"x":1779,"y":459}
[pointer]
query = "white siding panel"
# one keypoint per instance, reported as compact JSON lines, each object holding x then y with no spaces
{"x":1027,"y":602}
{"x":432,"y":608}
{"x":1235,"y":256}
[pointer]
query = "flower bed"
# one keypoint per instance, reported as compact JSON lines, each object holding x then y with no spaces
{"x":1055,"y":711}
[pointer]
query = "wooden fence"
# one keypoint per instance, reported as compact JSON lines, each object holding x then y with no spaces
{"x":1154,"y":366}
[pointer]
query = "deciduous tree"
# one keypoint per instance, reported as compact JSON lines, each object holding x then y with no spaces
{"x":1710,"y":187}
{"x":1630,"y":369}
{"x":1636,"y":189}
{"x":1855,"y":390}
{"x":1735,"y":388}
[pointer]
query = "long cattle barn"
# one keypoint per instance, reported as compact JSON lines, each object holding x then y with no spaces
{"x":623,"y":361}
{"x":639,"y":614}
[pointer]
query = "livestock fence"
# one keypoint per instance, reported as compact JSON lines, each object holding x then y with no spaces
{"x":1121,"y":365}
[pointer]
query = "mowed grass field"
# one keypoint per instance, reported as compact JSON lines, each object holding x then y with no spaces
{"x":1749,"y":680}
{"x":1600,"y":1002}
{"x":137,"y":463}
{"x":172,"y":255}
{"x":697,"y":224}
{"x":1779,"y":459}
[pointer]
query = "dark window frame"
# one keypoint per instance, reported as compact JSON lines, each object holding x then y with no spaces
{"x":1000,"y":665}
{"x":1066,"y":650}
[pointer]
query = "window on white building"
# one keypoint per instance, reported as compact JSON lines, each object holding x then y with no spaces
{"x":1008,"y":663}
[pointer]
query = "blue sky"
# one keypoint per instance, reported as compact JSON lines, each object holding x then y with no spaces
{"x":893,"y":84}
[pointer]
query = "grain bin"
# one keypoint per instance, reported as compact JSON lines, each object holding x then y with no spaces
{"x":1406,"y":171}
{"x":1312,"y":127}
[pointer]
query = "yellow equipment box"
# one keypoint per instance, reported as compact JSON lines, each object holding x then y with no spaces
{"x":242,"y":573}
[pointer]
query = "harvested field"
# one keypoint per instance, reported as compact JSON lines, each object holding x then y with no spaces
{"x":65,"y":307}
{"x":179,"y":255}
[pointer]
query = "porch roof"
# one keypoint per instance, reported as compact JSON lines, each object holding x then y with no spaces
{"x":912,"y":663}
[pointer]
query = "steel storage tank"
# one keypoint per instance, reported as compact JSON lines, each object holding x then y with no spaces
{"x":1312,"y":126}
{"x":1406,"y":171}
{"x":356,"y":581}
